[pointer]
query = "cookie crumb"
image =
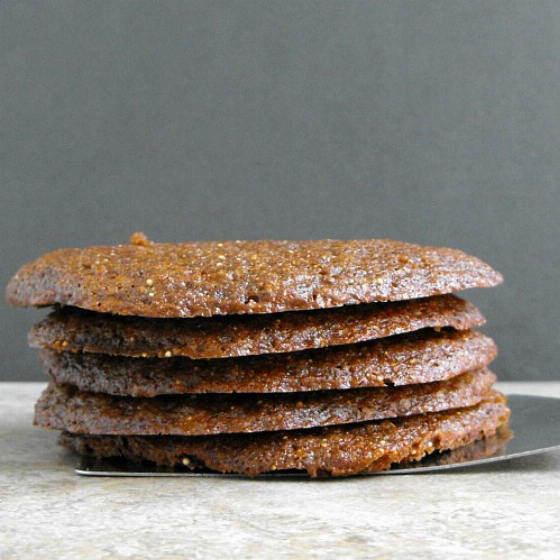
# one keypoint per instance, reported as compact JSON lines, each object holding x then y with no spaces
{"x":140,"y":239}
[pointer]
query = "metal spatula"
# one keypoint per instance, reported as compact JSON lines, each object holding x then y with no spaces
{"x":534,"y":428}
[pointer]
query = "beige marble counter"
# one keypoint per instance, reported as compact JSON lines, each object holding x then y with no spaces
{"x":504,"y":510}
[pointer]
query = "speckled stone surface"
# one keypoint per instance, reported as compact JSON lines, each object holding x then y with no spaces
{"x":504,"y":510}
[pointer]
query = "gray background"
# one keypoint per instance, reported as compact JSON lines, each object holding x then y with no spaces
{"x":432,"y":122}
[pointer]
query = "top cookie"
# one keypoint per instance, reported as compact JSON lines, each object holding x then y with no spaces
{"x":218,"y":278}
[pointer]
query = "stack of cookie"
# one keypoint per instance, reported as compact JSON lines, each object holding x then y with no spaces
{"x":250,"y":357}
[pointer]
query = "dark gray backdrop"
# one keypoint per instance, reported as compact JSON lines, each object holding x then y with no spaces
{"x":433,"y":122}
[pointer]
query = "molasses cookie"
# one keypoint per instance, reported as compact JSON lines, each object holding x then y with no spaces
{"x":218,"y":278}
{"x":71,"y":328}
{"x":63,"y":408}
{"x":419,"y":357}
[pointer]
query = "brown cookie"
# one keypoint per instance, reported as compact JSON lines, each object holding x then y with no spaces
{"x":63,"y":408}
{"x":70,"y":328}
{"x":418,"y":357}
{"x":215,"y":278}
{"x":333,"y":451}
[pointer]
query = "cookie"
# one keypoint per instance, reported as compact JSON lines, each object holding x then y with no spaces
{"x":230,"y":277}
{"x":70,"y":328}
{"x":419,"y":357}
{"x":63,"y":408}
{"x":333,"y":451}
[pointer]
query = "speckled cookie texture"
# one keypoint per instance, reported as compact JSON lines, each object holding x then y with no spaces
{"x":231,"y":277}
{"x":328,"y":357}
{"x":332,"y":451}
{"x":420,"y":357}
{"x":95,"y":413}
{"x":70,"y":328}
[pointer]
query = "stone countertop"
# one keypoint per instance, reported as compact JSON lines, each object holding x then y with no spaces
{"x":507,"y":509}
